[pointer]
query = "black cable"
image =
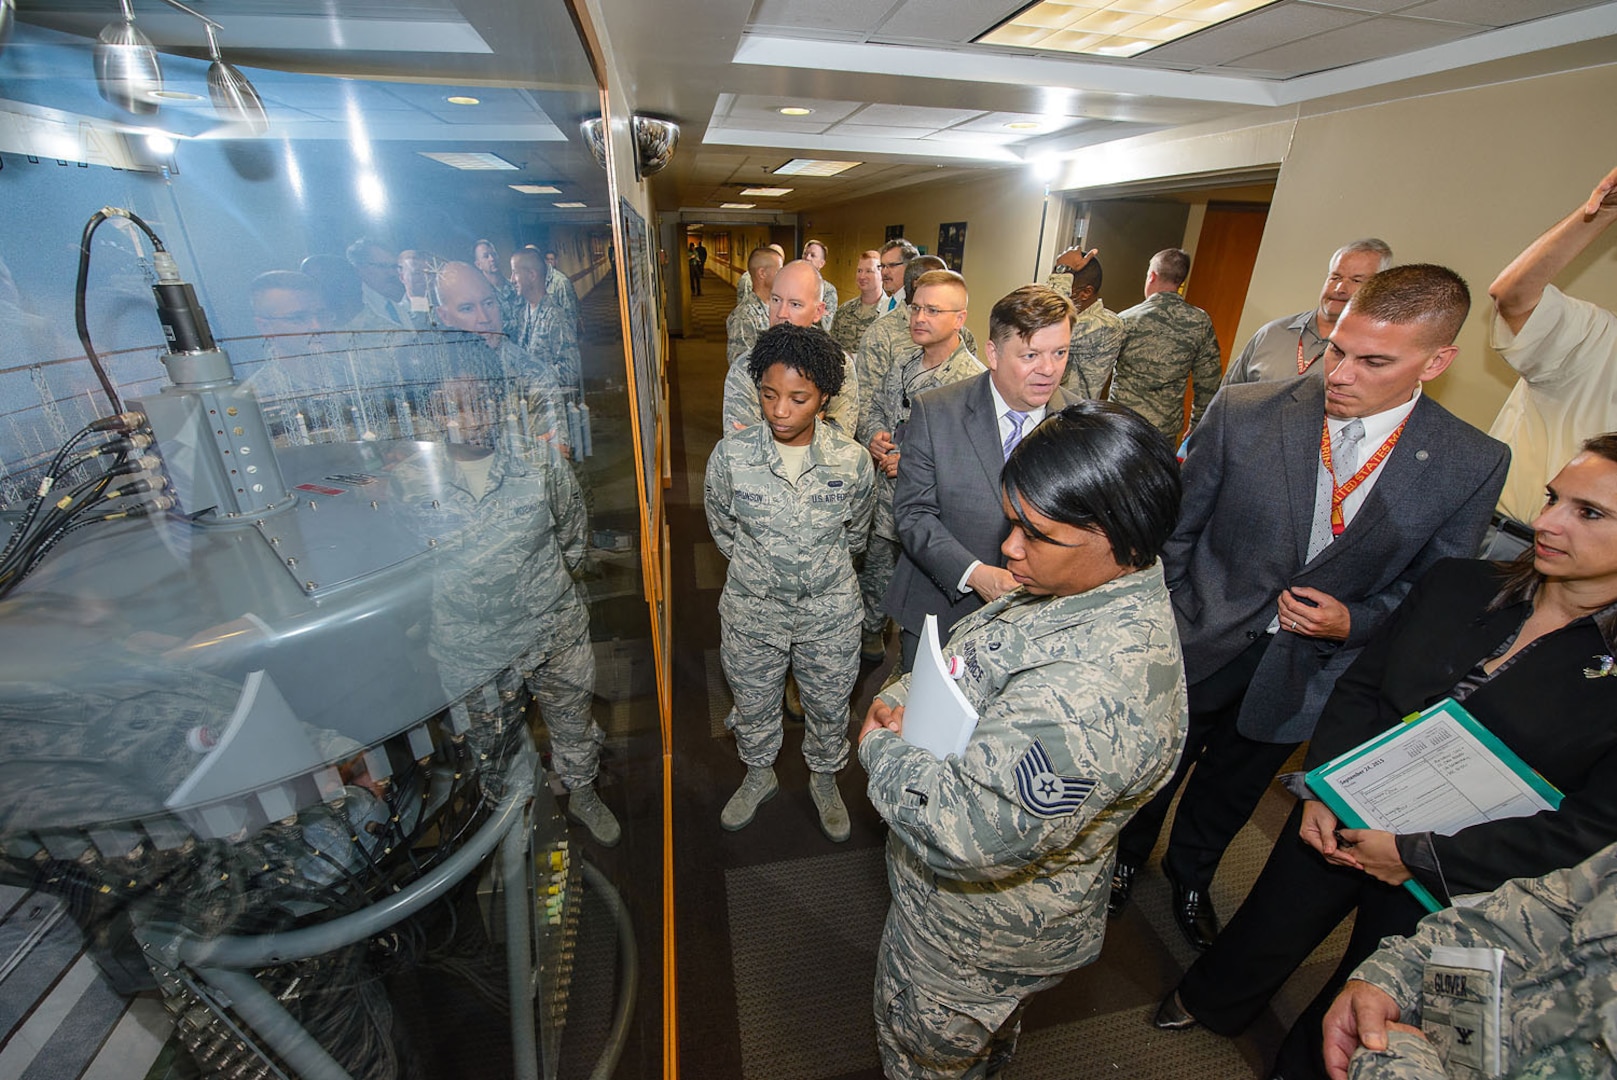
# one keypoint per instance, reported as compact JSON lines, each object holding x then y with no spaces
{"x":80,"y":320}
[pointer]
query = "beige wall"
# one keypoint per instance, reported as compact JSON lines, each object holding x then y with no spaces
{"x":1001,"y":211}
{"x":1466,"y":179}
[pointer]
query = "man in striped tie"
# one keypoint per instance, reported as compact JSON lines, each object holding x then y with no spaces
{"x":952,"y":445}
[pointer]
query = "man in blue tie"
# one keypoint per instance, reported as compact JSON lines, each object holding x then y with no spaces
{"x":951,"y":448}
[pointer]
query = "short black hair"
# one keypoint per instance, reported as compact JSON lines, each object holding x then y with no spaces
{"x":1088,"y":274}
{"x":1098,"y":465}
{"x":808,"y":350}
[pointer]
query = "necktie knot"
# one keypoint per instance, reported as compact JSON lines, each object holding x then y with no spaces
{"x":1345,"y":452}
{"x":1017,"y":419}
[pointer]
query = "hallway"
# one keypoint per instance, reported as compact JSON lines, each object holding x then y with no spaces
{"x":778,"y":927}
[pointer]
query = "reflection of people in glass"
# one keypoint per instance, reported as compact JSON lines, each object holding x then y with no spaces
{"x":511,"y":529}
{"x":467,"y":302}
{"x":560,"y":288}
{"x":487,"y":259}
{"x":287,"y":306}
{"x":378,"y":269}
{"x":414,"y":267}
{"x":340,"y":286}
{"x":543,"y":327}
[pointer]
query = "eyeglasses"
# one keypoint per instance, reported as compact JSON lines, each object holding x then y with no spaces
{"x":933,"y":312}
{"x":892,"y":266}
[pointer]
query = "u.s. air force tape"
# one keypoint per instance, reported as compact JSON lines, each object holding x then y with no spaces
{"x":1044,"y":793}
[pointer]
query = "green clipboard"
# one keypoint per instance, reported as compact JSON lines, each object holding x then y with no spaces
{"x":1320,"y":780}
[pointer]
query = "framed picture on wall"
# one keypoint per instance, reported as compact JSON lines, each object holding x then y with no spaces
{"x":894,"y":232}
{"x":952,"y":244}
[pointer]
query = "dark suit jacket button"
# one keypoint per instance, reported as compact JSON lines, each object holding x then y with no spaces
{"x":1252,"y":635}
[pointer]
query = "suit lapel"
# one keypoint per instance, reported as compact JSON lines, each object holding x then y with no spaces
{"x":982,"y":428}
{"x":1300,"y":421}
{"x":1400,"y":476}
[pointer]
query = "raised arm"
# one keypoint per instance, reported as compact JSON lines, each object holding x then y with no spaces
{"x":1517,"y":289}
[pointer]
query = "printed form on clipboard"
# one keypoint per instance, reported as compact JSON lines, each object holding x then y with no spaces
{"x":937,"y":716}
{"x":1439,"y":771}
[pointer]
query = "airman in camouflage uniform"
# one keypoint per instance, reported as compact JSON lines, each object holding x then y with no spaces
{"x":741,"y":398}
{"x":1168,"y":340}
{"x":1000,"y":858}
{"x":790,"y":596}
{"x":891,"y":408}
{"x":794,"y":297}
{"x":560,"y":288}
{"x":748,"y":319}
{"x":510,"y":530}
{"x":1097,"y":338}
{"x":851,"y":320}
{"x":1559,"y":934}
{"x":544,"y":328}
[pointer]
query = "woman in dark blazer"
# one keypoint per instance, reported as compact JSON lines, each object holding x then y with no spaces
{"x":1527,"y":647}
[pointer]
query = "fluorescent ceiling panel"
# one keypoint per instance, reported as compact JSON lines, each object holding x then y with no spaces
{"x":815,"y":167}
{"x":469,"y":160}
{"x":535,"y":189}
{"x":768,"y":192}
{"x":569,"y":205}
{"x":737,"y":206}
{"x":1097,"y":28}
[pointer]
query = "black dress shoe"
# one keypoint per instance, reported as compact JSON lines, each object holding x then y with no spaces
{"x":1172,"y":1014}
{"x":1122,"y":886}
{"x":1193,"y":911}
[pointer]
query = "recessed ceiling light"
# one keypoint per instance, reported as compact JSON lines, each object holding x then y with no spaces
{"x":460,"y":160}
{"x":1023,"y":125}
{"x":737,"y":205}
{"x":174,"y":95}
{"x":767,"y":192}
{"x":462,"y":99}
{"x":1098,"y":28}
{"x":569,"y":205}
{"x":815,"y":167}
{"x":535,"y":189}
{"x":794,"y":110}
{"x":160,"y":143}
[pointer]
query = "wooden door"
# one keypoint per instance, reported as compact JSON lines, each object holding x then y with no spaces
{"x":1226,"y":251}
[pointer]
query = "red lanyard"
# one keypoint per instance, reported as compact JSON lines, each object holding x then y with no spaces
{"x":1340,"y":492}
{"x":1302,"y":364}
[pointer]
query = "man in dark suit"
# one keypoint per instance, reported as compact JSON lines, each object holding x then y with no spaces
{"x":1311,"y":506}
{"x":946,"y":497}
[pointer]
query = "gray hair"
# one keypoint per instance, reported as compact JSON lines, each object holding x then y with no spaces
{"x":1369,"y":244}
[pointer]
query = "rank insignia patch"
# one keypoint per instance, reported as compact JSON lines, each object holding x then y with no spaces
{"x":1044,"y":793}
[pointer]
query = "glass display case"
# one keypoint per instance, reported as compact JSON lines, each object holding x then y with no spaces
{"x":327,"y":707}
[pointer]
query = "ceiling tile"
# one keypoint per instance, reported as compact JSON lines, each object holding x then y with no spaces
{"x":857,"y":15}
{"x":1494,"y":12}
{"x":877,"y":131}
{"x":1269,"y":27}
{"x":1387,"y":35}
{"x":1375,"y":7}
{"x":752,"y":110}
{"x":943,"y":20}
{"x":914,"y":116}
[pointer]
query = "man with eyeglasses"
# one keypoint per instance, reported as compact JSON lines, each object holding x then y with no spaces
{"x":956,"y":425}
{"x":884,"y":343}
{"x":381,"y":286}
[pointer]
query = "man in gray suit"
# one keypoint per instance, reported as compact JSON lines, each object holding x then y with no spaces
{"x":952,"y":449}
{"x":1311,"y":506}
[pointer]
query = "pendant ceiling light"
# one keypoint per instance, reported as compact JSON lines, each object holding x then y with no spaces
{"x":126,"y":68}
{"x":8,"y":15}
{"x":128,"y":75}
{"x":233,"y":96}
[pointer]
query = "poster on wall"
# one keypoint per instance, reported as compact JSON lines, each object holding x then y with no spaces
{"x":895,"y":232}
{"x":952,"y":244}
{"x":648,"y":385}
